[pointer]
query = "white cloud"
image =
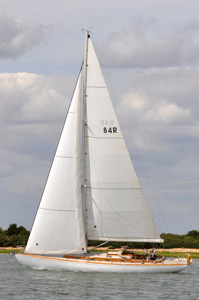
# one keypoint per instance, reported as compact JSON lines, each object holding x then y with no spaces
{"x":31,"y":98}
{"x":135,"y":101}
{"x":32,"y":110}
{"x":161,"y":113}
{"x":158,"y":112}
{"x":133,"y":48}
{"x":17,"y":38}
{"x":166,"y":113}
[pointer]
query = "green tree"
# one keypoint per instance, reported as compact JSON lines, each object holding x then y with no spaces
{"x":23,"y":231}
{"x":12,"y":230}
{"x":194,"y":234}
{"x":14,"y":236}
{"x":2,"y":237}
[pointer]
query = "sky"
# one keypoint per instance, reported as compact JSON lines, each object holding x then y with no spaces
{"x":149,"y":53}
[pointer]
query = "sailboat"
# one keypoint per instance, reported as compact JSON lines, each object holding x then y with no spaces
{"x":92,"y":191}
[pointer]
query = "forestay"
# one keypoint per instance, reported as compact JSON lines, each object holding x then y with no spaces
{"x":58,"y":226}
{"x":115,"y":205}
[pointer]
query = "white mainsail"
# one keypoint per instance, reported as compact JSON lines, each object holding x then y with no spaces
{"x":115,"y":205}
{"x":58,"y":226}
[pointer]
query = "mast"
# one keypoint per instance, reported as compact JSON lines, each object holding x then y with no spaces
{"x":84,"y":124}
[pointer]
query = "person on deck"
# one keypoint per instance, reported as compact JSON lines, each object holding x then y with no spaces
{"x":153,"y":253}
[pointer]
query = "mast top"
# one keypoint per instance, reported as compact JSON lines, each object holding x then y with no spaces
{"x":88,"y":32}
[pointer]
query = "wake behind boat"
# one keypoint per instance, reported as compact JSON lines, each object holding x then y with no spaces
{"x":92,"y":191}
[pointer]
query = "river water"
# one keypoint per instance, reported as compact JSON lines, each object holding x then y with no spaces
{"x":20,"y":282}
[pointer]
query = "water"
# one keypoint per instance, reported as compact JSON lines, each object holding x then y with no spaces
{"x":19,"y":282}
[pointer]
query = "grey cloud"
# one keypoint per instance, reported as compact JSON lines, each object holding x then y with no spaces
{"x":162,"y":106}
{"x":17,"y":38}
{"x":32,"y":112}
{"x":162,"y":116}
{"x":133,"y":48}
{"x":30,"y":98}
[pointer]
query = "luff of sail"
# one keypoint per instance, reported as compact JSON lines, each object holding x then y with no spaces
{"x":58,"y":226}
{"x":115,"y":205}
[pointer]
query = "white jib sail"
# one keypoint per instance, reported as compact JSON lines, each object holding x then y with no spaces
{"x":115,"y":205}
{"x":58,"y":227}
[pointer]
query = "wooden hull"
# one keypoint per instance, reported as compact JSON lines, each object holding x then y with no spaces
{"x":84,"y":265}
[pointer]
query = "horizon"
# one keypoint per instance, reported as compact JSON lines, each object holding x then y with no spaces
{"x":90,"y":240}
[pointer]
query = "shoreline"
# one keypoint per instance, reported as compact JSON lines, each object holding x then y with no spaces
{"x":174,"y":252}
{"x":11,"y":248}
{"x":171,"y":250}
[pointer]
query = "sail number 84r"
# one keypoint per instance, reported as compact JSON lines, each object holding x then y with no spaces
{"x":110,"y":129}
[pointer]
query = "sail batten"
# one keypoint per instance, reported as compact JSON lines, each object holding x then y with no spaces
{"x":103,"y":138}
{"x":57,"y":209}
{"x":113,"y":189}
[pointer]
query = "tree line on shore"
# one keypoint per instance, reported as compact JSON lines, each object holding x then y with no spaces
{"x":14,"y":236}
{"x":18,"y":236}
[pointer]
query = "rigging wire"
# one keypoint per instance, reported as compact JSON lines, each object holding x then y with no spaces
{"x":125,"y":123}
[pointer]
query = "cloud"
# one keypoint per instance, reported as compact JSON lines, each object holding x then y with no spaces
{"x":167,"y":113}
{"x":30,"y":98}
{"x":136,"y":101}
{"x":161,"y":112}
{"x":134,"y":48}
{"x":17,"y":38}
{"x":32,"y":111}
